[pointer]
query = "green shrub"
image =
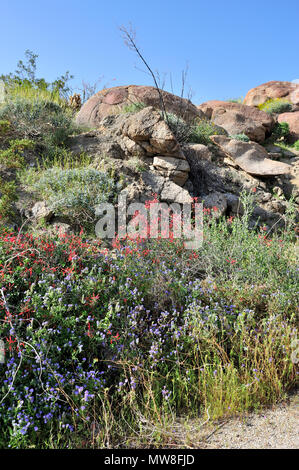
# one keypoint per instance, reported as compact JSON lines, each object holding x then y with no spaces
{"x":25,"y":84}
{"x":38,"y":119}
{"x":133,"y":107}
{"x":236,"y":100}
{"x":4,"y":127}
{"x":13,"y":157}
{"x":296,"y":145}
{"x":28,"y":92}
{"x":136,"y":164}
{"x":242,"y":137}
{"x":280,"y":132}
{"x":275,"y":106}
{"x":202,"y":131}
{"x":8,"y":195}
{"x":74,"y":192}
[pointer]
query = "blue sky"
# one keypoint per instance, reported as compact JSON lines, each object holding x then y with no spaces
{"x":230,"y":46}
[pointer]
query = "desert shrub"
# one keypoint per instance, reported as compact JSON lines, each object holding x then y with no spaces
{"x":280,"y":131}
{"x":196,"y":132}
{"x":74,"y":192}
{"x":28,"y":92}
{"x":275,"y":106}
{"x":133,"y":107}
{"x":13,"y":156}
{"x":136,"y":164}
{"x":179,"y":127}
{"x":42,"y":120}
{"x":8,"y":196}
{"x":25,"y":84}
{"x":95,"y":343}
{"x":4,"y":127}
{"x":296,"y":145}
{"x":202,"y":131}
{"x":242,"y":137}
{"x":236,"y":100}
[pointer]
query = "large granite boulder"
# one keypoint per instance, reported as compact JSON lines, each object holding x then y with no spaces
{"x":237,"y":118}
{"x":272,"y":90}
{"x":113,"y":100}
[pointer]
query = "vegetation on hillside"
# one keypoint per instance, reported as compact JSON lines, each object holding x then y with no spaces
{"x":109,"y":348}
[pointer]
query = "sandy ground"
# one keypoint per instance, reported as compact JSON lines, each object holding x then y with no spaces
{"x":276,"y":428}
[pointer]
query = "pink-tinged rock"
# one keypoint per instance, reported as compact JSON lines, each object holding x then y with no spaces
{"x":112,"y":100}
{"x":251,"y":157}
{"x":116,"y":96}
{"x":293,"y":121}
{"x":272,"y":90}
{"x":238,"y":118}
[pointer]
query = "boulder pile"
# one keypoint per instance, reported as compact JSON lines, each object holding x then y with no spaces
{"x":139,"y":146}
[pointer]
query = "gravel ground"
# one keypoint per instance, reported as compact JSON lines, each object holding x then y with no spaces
{"x":276,"y":428}
{"x":273,"y":428}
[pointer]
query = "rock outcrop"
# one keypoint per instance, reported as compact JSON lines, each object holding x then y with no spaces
{"x":238,"y":118}
{"x":215,"y":174}
{"x":144,"y":135}
{"x":271,"y":90}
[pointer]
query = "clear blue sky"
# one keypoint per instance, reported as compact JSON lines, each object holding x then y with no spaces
{"x":229,"y":45}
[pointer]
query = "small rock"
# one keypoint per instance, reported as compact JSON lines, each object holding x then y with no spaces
{"x":278,"y":191}
{"x":173,"y":193}
{"x":176,"y":169}
{"x":41,"y":210}
{"x":216,"y":200}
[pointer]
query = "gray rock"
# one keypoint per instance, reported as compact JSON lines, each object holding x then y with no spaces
{"x":251,"y":157}
{"x":153,"y":180}
{"x":41,"y":210}
{"x":171,"y":192}
{"x":176,"y":169}
{"x":216,"y":200}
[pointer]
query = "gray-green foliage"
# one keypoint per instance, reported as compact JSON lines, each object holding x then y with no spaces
{"x":39,"y":119}
{"x":203,"y":130}
{"x":236,"y":100}
{"x":276,"y":106}
{"x":198,"y":132}
{"x":242,"y":137}
{"x":75,"y":192}
{"x":133,"y":107}
{"x":180,"y":128}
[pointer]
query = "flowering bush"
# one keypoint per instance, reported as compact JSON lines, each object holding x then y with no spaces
{"x":276,"y":106}
{"x":95,"y":341}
